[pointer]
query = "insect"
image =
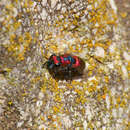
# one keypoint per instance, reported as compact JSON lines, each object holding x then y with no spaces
{"x":65,"y":67}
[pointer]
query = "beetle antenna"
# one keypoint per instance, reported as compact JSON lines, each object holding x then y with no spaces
{"x":44,"y":65}
{"x":46,"y":57}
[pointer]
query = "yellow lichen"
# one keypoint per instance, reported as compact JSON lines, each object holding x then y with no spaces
{"x":123,"y":14}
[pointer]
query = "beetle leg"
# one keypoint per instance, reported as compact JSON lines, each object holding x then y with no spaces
{"x":70,"y":74}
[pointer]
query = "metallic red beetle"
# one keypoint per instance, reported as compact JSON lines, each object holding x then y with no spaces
{"x":65,"y":67}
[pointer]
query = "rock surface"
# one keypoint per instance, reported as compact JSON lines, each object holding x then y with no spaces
{"x":95,"y":30}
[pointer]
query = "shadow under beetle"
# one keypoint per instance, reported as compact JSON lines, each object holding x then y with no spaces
{"x":65,"y":67}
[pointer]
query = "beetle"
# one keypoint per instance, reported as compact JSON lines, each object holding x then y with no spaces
{"x":65,"y":67}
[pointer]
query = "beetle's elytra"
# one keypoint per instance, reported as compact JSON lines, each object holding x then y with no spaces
{"x":65,"y":67}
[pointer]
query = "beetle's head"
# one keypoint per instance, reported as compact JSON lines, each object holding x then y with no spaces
{"x":48,"y":64}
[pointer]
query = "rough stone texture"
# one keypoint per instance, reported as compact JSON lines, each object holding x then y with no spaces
{"x":95,"y":30}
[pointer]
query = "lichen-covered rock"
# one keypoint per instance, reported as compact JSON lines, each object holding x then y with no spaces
{"x":31,"y":31}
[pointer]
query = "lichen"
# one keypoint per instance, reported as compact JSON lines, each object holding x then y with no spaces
{"x":31,"y":32}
